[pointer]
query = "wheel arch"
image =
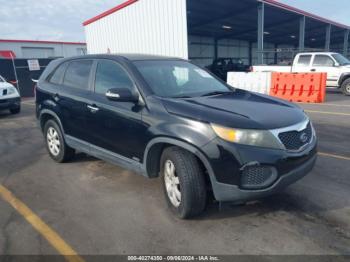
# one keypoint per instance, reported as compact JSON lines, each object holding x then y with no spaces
{"x":342,"y":78}
{"x":46,"y":115}
{"x":154,"y":151}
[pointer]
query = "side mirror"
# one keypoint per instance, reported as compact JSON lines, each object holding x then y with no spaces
{"x":122,"y":95}
{"x":336,"y":65}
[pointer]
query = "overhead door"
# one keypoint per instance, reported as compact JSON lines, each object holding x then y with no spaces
{"x":37,"y":52}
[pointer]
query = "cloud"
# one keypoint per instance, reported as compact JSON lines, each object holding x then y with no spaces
{"x":47,"y":19}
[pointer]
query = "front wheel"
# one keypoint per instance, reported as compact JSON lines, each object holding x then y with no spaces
{"x":183,"y":181}
{"x":345,"y":87}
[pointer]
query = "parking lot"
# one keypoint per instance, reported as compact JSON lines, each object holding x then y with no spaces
{"x":98,"y":208}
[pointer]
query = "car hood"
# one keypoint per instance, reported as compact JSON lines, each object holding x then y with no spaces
{"x":345,"y":67}
{"x":239,"y":109}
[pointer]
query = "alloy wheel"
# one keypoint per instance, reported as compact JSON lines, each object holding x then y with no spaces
{"x":172,"y":183}
{"x":53,"y":141}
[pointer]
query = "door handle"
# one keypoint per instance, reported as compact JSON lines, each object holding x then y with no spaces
{"x":313,"y":70}
{"x":93,"y":108}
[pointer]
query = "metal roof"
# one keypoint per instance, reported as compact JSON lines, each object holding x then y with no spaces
{"x":304,"y":13}
{"x":207,"y":18}
{"x":239,"y":17}
{"x":110,"y":11}
{"x":235,"y":2}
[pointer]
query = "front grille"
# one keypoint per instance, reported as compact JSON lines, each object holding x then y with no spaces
{"x":294,"y":140}
{"x":257,"y":177}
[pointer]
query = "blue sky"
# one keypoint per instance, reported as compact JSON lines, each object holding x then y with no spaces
{"x":61,"y":20}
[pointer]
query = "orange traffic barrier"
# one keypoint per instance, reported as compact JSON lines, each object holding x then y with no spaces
{"x":299,"y":87}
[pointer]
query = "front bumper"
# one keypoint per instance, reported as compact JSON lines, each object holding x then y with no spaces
{"x":10,"y":103}
{"x":228,"y":161}
{"x":226,"y":192}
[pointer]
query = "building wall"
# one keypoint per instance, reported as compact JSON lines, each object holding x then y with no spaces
{"x":43,"y":50}
{"x":154,"y":27}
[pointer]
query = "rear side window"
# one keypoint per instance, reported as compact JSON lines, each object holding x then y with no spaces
{"x":77,"y":74}
{"x":57,"y":76}
{"x":304,"y":60}
{"x":110,"y":75}
{"x":323,"y":60}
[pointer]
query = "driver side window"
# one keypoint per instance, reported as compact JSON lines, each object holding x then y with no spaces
{"x":323,"y":60}
{"x":110,"y":75}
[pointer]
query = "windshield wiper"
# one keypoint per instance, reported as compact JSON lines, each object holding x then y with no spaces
{"x":213,"y":93}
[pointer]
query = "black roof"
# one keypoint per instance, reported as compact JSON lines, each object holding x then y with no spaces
{"x":141,"y":57}
{"x":130,"y":57}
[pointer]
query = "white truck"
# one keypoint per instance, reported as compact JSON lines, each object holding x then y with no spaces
{"x":335,"y":65}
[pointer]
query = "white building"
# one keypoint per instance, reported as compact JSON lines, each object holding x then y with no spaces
{"x":256,"y":31}
{"x":40,"y":49}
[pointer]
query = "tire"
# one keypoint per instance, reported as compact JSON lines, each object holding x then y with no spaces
{"x":187,"y":178}
{"x":16,"y":110}
{"x":55,"y":144}
{"x":345,"y":87}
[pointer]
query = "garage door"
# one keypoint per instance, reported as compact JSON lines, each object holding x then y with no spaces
{"x":37,"y":52}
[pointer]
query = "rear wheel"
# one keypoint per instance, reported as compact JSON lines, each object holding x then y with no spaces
{"x":183,"y":181}
{"x":55,"y":144}
{"x":345,"y":87}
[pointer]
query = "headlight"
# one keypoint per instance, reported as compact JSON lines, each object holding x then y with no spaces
{"x":12,"y":90}
{"x":261,"y":138}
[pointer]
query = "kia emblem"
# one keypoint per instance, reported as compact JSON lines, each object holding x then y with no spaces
{"x":304,"y":137}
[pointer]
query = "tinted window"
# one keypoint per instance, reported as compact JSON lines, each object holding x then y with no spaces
{"x":341,"y":59}
{"x":57,"y":76}
{"x":178,"y":78}
{"x":111,"y":75}
{"x":77,"y":74}
{"x":323,"y":60}
{"x":304,"y":60}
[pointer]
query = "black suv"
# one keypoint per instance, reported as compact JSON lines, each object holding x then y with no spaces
{"x":167,"y":117}
{"x":221,"y":66}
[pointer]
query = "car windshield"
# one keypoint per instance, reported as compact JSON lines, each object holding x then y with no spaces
{"x":342,"y":60}
{"x":179,"y":79}
{"x":1,"y":79}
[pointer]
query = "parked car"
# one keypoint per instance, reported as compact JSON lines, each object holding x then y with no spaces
{"x":165,"y":117}
{"x":221,"y":66}
{"x":9,"y":97}
{"x":335,"y":65}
